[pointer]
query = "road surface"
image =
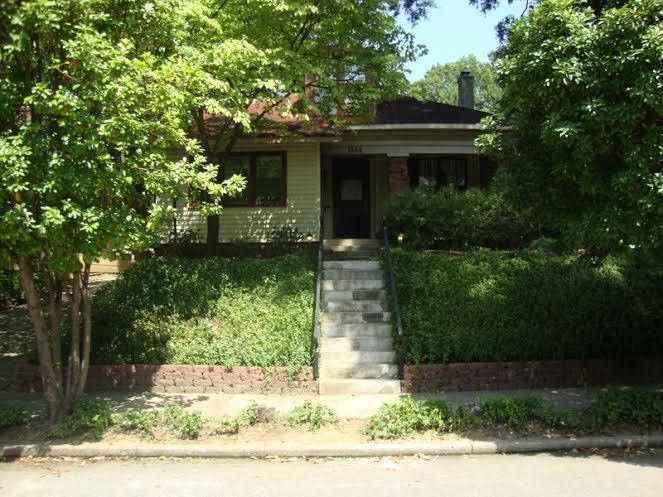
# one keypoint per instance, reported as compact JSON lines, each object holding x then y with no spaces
{"x":620,"y":475}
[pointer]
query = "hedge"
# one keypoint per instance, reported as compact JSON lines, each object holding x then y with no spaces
{"x":495,"y":306}
{"x":248,"y":312}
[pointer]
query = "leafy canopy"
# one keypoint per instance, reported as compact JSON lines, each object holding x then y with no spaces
{"x":580,"y":133}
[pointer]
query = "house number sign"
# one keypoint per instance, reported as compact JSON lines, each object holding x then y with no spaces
{"x":354,"y":149}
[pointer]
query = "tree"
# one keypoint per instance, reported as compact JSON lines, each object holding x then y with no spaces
{"x":440,"y":84}
{"x":95,"y":95}
{"x":88,"y":118}
{"x":580,"y":129}
{"x":260,"y":51}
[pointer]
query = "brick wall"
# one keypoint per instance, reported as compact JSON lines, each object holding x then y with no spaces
{"x":431,"y":378}
{"x":182,"y":379}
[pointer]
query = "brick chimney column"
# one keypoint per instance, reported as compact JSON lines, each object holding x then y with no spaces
{"x":466,"y":90}
{"x":399,"y":178}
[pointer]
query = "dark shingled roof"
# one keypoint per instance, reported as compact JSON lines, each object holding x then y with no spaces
{"x":409,"y":110}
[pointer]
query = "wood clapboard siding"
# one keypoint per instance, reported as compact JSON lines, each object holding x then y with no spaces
{"x":255,"y":223}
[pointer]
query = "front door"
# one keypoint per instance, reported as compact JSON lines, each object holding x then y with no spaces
{"x":352,"y":211}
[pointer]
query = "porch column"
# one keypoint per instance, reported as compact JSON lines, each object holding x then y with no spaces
{"x":399,"y":178}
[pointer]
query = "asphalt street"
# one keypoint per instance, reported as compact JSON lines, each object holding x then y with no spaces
{"x":592,"y":473}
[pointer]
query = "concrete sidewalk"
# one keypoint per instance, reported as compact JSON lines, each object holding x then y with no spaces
{"x":344,"y":406}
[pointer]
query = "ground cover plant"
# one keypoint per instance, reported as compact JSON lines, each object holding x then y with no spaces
{"x":312,"y":414}
{"x":614,"y":407}
{"x":228,"y":312}
{"x":495,"y":306}
{"x":11,"y":416}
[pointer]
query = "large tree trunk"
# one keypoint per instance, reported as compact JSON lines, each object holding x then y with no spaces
{"x":61,"y":392}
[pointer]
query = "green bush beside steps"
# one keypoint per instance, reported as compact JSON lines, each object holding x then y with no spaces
{"x":496,"y":306}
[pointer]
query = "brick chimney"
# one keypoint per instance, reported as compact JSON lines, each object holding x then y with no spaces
{"x":466,"y":90}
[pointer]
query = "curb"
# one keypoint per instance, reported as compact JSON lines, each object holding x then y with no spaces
{"x":346,"y":450}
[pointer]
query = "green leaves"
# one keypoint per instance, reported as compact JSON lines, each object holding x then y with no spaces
{"x":580,"y":127}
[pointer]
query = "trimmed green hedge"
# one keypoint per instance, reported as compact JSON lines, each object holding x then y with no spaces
{"x":495,"y":306}
{"x":231,"y":312}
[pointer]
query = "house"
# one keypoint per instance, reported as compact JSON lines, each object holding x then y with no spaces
{"x":347,"y":177}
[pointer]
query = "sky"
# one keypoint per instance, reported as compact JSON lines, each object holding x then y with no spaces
{"x":454,"y":29}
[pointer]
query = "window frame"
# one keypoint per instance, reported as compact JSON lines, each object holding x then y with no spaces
{"x":414,"y":170}
{"x":251,"y":185}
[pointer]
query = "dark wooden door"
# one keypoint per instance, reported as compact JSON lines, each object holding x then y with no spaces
{"x":352,"y":207}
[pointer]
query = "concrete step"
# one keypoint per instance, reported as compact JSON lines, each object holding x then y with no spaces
{"x":358,"y":265}
{"x":352,"y":284}
{"x":351,"y":274}
{"x":379,"y":296}
{"x":358,"y":255}
{"x":351,"y":243}
{"x":343,"y":387}
{"x":357,"y":357}
{"x":359,"y":371}
{"x":354,"y":306}
{"x":356,"y":317}
{"x":356,"y":344}
{"x":356,"y":330}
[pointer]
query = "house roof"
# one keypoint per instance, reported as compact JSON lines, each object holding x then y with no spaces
{"x":404,"y":112}
{"x":409,"y":110}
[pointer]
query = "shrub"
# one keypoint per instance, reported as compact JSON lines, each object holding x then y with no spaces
{"x":182,"y":423}
{"x":452,"y":219}
{"x":409,"y":416}
{"x":643,"y":408}
{"x":228,"y":312}
{"x":312,"y":414}
{"x":90,"y":416}
{"x":492,"y":306}
{"x":12,"y":416}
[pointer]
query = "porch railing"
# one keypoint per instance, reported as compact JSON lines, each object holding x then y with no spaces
{"x":316,"y":308}
{"x":394,"y":296}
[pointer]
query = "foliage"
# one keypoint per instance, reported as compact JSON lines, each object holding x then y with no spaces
{"x":579,"y":132}
{"x":10,"y":287}
{"x":182,"y":423}
{"x":90,"y":112}
{"x":144,"y":421}
{"x":518,"y":411}
{"x":614,"y":406}
{"x":208,"y":311}
{"x":89,"y":416}
{"x":310,"y":413}
{"x":440,"y":84}
{"x":12,"y":416}
{"x":453,"y":219}
{"x":409,"y":416}
{"x":491,"y":306}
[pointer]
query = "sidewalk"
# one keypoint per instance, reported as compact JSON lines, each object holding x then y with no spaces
{"x":344,"y":406}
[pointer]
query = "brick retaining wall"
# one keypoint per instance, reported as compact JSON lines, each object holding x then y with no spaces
{"x":182,"y":379}
{"x":432,"y":378}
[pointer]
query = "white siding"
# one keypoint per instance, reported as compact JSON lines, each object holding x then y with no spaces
{"x":255,"y":223}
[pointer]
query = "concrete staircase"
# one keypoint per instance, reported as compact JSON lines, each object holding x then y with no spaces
{"x":356,"y":349}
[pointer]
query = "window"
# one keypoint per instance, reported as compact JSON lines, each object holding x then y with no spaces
{"x":265,"y":174}
{"x":438,"y":172}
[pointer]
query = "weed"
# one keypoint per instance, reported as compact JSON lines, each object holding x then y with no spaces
{"x":183,"y":424}
{"x":312,"y":414}
{"x":409,"y":416}
{"x":11,"y":416}
{"x":143,"y":422}
{"x":634,"y":406}
{"x":89,"y":416}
